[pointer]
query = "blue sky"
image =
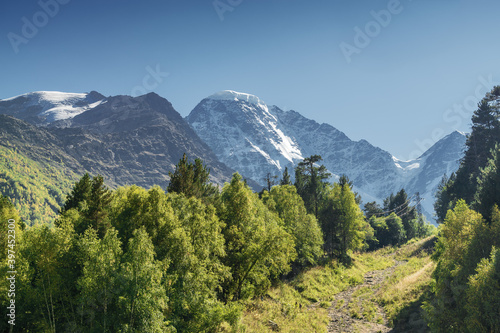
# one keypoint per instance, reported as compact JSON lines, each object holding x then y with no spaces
{"x":412,"y":78}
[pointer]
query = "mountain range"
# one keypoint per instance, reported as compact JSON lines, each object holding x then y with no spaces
{"x":138,"y":140}
{"x":257,"y":139}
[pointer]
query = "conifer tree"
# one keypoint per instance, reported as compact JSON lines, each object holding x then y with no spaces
{"x":488,"y":191}
{"x":309,"y":181}
{"x":191,"y":179}
{"x":285,"y":179}
{"x":485,"y":134}
{"x":372,"y":209}
{"x":79,"y":194}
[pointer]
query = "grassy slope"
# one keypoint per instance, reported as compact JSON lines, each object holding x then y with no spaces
{"x":302,"y":304}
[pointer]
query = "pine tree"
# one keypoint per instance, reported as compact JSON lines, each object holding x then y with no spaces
{"x":285,"y":179}
{"x":79,"y":194}
{"x":400,"y":205}
{"x":309,"y":181}
{"x":488,"y":191}
{"x":191,"y":179}
{"x":372,"y":209}
{"x":98,"y":206}
{"x":442,"y":203}
{"x":485,"y":134}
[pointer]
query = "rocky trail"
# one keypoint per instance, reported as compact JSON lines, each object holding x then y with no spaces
{"x":354,"y":309}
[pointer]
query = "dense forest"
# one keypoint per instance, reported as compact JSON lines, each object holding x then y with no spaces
{"x":467,"y":276}
{"x":186,"y":258}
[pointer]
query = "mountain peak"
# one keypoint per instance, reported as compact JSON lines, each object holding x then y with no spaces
{"x":230,"y":95}
{"x":43,"y":107}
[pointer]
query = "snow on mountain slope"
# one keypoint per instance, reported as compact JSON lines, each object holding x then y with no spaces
{"x":44,"y":107}
{"x":442,"y":158}
{"x":242,"y":131}
{"x":255,"y":139}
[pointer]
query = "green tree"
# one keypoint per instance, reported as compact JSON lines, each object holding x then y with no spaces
{"x":461,"y":226}
{"x":482,"y":139}
{"x":443,"y":200}
{"x":257,"y":246}
{"x":79,"y":195}
{"x":488,"y":189}
{"x":91,"y":198}
{"x":309,"y":181}
{"x":98,"y":206}
{"x":285,"y":178}
{"x":191,"y":179}
{"x":46,"y":291}
{"x":142,"y":300}
{"x":99,"y":282}
{"x":372,"y":209}
{"x":342,"y":222}
{"x":187,"y":239}
{"x":395,"y":229}
{"x":400,"y":205}
{"x":304,"y":227}
{"x":483,"y":296}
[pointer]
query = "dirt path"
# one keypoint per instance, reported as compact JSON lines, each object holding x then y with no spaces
{"x":353,"y":309}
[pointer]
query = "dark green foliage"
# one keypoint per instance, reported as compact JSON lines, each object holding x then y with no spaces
{"x":396,"y":229}
{"x":79,"y":195}
{"x":285,"y":179}
{"x":488,"y":188}
{"x":399,"y":204}
{"x":484,"y":136}
{"x":372,"y":209}
{"x":465,"y":241}
{"x":309,"y":181}
{"x":91,"y":198}
{"x":342,"y":222}
{"x":467,"y":287}
{"x":443,"y":197}
{"x":191,"y":179}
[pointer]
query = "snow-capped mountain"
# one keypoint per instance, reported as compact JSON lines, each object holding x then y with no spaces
{"x":128,"y":140}
{"x":255,"y":139}
{"x":242,"y":131}
{"x":44,"y":107}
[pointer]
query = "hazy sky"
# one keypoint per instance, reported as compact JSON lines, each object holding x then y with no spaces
{"x":399,"y":74}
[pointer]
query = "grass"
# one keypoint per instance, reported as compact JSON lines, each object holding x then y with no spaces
{"x":404,"y":291}
{"x":302,"y":304}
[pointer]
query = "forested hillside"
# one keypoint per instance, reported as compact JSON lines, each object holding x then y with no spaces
{"x":185,"y":260}
{"x":467,"y":290}
{"x":299,"y":256}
